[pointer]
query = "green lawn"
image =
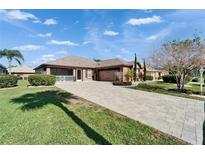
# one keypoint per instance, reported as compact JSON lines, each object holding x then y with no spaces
{"x":52,"y":116}
{"x":160,"y":86}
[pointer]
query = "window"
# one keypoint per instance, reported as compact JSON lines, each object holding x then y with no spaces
{"x":70,"y":71}
{"x":89,"y":73}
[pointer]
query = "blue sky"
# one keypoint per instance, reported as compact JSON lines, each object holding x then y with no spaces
{"x":45,"y":35}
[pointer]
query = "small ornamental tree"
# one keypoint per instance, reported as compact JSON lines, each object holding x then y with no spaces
{"x":129,"y":74}
{"x":145,"y":71}
{"x":180,"y":58}
{"x":135,"y":69}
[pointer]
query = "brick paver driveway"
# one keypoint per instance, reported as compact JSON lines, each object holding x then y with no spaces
{"x":180,"y":117}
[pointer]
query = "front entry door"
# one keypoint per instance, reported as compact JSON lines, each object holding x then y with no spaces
{"x":79,"y":75}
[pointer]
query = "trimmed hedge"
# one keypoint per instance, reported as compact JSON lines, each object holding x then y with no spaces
{"x":169,"y":78}
{"x":8,"y":81}
{"x":172,"y":78}
{"x":118,"y":83}
{"x":41,"y":80}
{"x":195,"y":79}
{"x":149,"y":77}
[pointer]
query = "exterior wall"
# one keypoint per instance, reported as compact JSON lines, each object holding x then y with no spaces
{"x":74,"y":74}
{"x":48,"y":70}
{"x":87,"y":76}
{"x":156,"y":74}
{"x":124,"y":74}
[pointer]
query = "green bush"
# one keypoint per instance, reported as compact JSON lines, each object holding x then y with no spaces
{"x":8,"y":81}
{"x":169,"y":78}
{"x":41,"y":80}
{"x":195,"y":79}
{"x":118,"y":83}
{"x":149,"y":77}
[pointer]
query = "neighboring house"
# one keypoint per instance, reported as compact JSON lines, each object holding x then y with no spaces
{"x":3,"y":69}
{"x":155,"y":73}
{"x":80,"y":69}
{"x":22,"y":71}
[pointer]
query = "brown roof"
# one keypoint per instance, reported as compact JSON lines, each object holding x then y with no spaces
{"x":73,"y":61}
{"x":76,"y":61}
{"x":112,"y":62}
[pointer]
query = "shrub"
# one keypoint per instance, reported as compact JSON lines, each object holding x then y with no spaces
{"x":118,"y":83}
{"x":149,"y":77}
{"x":169,"y":78}
{"x":187,"y":79}
{"x":195,"y":80}
{"x":41,"y":80}
{"x":8,"y":81}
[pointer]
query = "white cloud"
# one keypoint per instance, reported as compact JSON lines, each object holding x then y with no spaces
{"x":47,"y":57}
{"x":67,"y":43}
{"x":86,"y":42}
{"x":44,"y":35}
{"x":159,"y":35}
{"x":118,"y":56}
{"x":18,"y":15}
{"x":50,"y":22}
{"x":62,"y":52}
{"x":106,"y":50}
{"x":124,"y":51}
{"x":142,"y":21}
{"x":29,"y":47}
{"x":110,"y":33}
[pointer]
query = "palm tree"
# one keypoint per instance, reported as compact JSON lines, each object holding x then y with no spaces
{"x":11,"y":55}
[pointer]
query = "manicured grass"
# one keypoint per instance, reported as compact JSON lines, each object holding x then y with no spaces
{"x":52,"y":116}
{"x":160,"y":86}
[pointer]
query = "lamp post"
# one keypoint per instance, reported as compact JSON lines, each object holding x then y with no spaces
{"x":201,"y":78}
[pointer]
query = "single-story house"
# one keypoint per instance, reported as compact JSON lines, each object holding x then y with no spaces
{"x":22,"y":71}
{"x":77,"y":68}
{"x":155,"y":73}
{"x":3,"y":69}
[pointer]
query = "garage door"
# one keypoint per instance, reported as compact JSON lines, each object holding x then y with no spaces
{"x":107,"y":75}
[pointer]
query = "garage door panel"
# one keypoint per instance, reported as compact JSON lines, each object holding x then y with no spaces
{"x":107,"y":75}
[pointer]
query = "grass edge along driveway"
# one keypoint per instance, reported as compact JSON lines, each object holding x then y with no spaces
{"x":52,"y":116}
{"x":159,"y":87}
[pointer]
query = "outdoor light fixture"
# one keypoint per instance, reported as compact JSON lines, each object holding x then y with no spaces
{"x":201,"y":78}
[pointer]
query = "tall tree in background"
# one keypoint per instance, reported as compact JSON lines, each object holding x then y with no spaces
{"x":180,"y":58}
{"x":135,"y":68}
{"x":145,"y":71}
{"x":12,"y":55}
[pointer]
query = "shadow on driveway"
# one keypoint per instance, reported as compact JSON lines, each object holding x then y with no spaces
{"x":58,"y":98}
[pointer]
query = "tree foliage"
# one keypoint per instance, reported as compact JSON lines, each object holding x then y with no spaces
{"x":180,"y":58}
{"x":135,"y":69}
{"x":145,"y":71}
{"x":12,"y":55}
